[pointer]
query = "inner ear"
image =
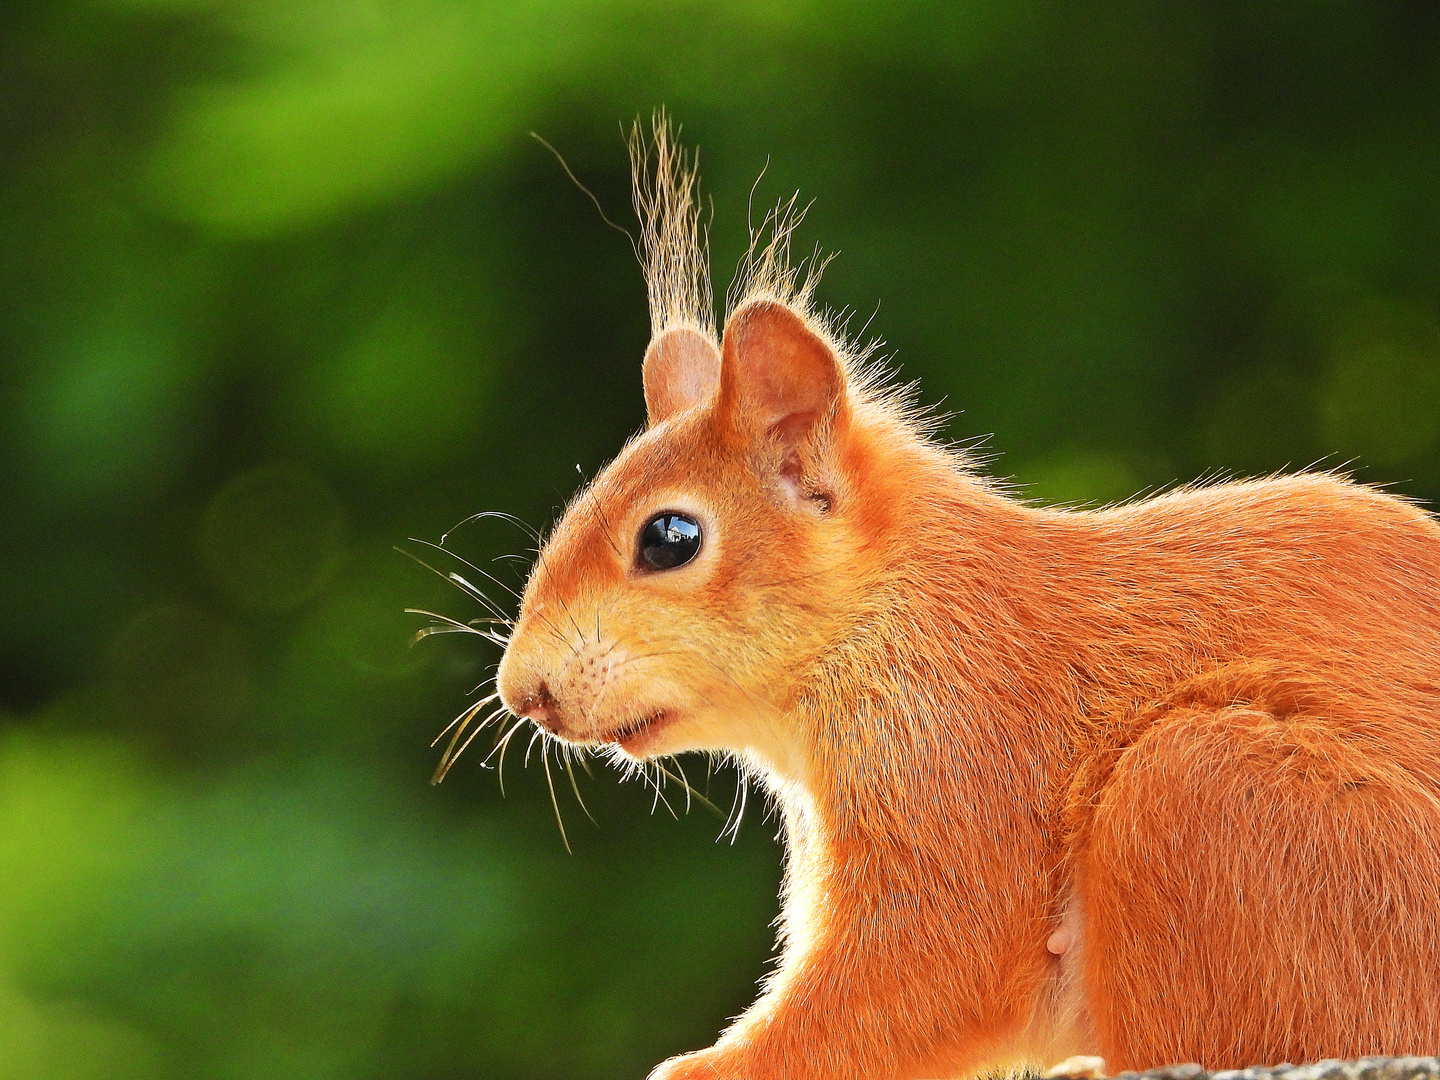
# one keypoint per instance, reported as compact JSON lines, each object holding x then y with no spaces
{"x":681,"y":370}
{"x":779,"y":378}
{"x":782,"y":383}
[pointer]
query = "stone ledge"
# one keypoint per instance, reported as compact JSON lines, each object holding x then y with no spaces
{"x":1368,"y":1068}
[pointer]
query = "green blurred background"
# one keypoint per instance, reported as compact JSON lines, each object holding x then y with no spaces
{"x":285,"y":282}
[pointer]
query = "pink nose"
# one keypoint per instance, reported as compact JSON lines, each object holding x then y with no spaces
{"x":540,"y":707}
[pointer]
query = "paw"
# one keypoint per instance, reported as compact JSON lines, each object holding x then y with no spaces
{"x":1078,"y":1068}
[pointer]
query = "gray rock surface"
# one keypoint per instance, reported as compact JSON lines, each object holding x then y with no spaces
{"x":1369,"y":1068}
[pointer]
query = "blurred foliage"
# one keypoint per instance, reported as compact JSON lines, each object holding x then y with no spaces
{"x":285,"y":282}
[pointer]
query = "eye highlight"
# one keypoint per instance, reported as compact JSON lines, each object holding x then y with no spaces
{"x":668,"y":540}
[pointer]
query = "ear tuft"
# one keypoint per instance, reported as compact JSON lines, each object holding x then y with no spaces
{"x":682,"y":369}
{"x":779,"y":376}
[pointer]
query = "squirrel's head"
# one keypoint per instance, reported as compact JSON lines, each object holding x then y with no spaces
{"x":689,"y":590}
{"x":686,"y":589}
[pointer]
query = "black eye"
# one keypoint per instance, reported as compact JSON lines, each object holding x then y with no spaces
{"x":668,"y":540}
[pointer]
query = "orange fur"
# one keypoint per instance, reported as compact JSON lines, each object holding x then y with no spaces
{"x":1157,"y":782}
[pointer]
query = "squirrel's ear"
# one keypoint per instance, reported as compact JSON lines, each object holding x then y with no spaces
{"x":681,"y":369}
{"x":779,"y":377}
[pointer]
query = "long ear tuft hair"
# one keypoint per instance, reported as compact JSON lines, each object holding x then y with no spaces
{"x":767,"y":273}
{"x":665,"y":186}
{"x":676,"y":254}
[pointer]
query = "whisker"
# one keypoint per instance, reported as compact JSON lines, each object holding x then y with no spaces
{"x":448,"y":763}
{"x":431,"y":631}
{"x":605,"y":529}
{"x":460,"y":627}
{"x":660,"y":795}
{"x":490,"y":605}
{"x":545,"y":568}
{"x":560,"y":636}
{"x":475,"y":591}
{"x":470,"y":710}
{"x":501,"y":745}
{"x":575,"y":786}
{"x":458,"y":581}
{"x":571,"y":616}
{"x":511,"y":518}
{"x":690,"y":792}
{"x":733,"y":826}
{"x":463,"y":721}
{"x":744,"y":802}
{"x":684,"y":780}
{"x":550,"y":783}
{"x":447,"y":760}
{"x":539,"y":733}
{"x":454,"y":626}
{"x":484,"y":573}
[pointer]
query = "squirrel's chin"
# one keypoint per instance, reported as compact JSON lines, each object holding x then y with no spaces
{"x":644,"y":738}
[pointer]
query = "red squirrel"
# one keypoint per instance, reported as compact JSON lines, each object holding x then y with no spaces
{"x":1157,"y":782}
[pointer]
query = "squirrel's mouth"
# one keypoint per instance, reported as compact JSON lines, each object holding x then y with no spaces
{"x":630,"y":737}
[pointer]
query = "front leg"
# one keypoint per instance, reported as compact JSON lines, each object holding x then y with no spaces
{"x":914,"y":982}
{"x":707,"y":1064}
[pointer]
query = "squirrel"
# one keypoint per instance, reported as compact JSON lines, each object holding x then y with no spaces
{"x":1157,"y":782}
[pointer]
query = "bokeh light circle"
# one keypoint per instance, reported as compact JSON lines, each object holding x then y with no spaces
{"x":180,"y":670}
{"x":272,"y":537}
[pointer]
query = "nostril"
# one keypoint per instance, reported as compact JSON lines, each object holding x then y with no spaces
{"x":539,"y":706}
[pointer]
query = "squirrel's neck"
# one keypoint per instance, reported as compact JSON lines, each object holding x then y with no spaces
{"x":951,"y":682}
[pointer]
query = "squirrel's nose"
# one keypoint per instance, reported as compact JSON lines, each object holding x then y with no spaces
{"x":526,"y":692}
{"x":539,"y":705}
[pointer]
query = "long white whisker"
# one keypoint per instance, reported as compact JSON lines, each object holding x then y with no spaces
{"x":550,"y":783}
{"x":484,"y":573}
{"x":690,"y":792}
{"x":450,"y":626}
{"x":488,"y":679}
{"x":458,"y":581}
{"x":684,"y":781}
{"x":500,"y":745}
{"x":470,"y":711}
{"x":448,"y":759}
{"x":574,"y":784}
{"x":732,"y":820}
{"x":660,"y":795}
{"x":539,"y":733}
{"x":492,"y":514}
